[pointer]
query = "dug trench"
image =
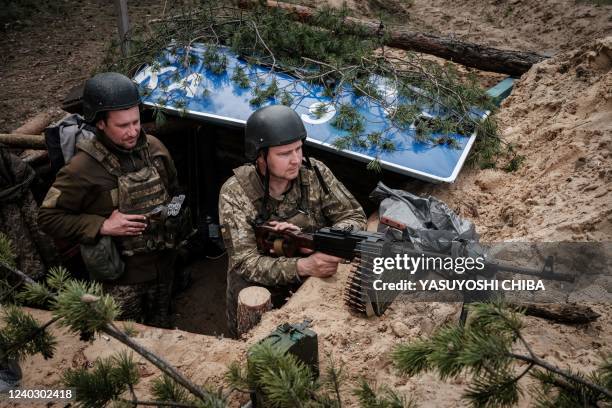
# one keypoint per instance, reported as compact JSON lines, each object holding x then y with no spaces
{"x":205,"y":156}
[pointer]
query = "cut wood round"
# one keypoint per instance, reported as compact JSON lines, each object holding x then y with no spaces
{"x":253,"y":302}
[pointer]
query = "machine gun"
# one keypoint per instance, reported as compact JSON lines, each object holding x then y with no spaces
{"x":362,"y":247}
{"x":333,"y":241}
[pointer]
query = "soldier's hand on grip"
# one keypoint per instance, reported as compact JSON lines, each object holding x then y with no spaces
{"x":119,"y":224}
{"x":283,"y":226}
{"x":318,"y":264}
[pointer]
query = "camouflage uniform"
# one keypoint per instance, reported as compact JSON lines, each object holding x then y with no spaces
{"x":305,"y":205}
{"x":33,"y":251}
{"x":84,"y":194}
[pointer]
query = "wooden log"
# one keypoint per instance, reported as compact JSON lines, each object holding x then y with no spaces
{"x":23,"y":141}
{"x":472,"y":55}
{"x":253,"y":302}
{"x":35,"y":125}
{"x":559,"y":312}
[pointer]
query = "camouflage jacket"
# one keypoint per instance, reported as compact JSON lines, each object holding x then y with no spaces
{"x":239,"y":203}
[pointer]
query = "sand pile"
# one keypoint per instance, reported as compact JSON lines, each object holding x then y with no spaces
{"x":559,"y":116}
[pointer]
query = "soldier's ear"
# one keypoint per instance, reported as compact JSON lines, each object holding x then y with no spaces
{"x":101,"y":124}
{"x":261,"y":160}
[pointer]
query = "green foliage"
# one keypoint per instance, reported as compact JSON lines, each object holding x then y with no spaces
{"x":488,"y":146}
{"x":280,"y":380}
{"x":22,"y":336}
{"x":41,"y":293}
{"x":320,"y":110}
{"x":371,"y":398}
{"x":286,"y":98}
{"x":58,"y":278}
{"x":374,"y":165}
{"x":332,"y":382}
{"x":554,"y":390}
{"x":129,"y":329}
{"x":37,"y":294}
{"x":160,"y":116}
{"x":347,"y":118}
{"x":109,"y":378}
{"x":263,"y":93}
{"x":364,"y":87}
{"x":605,"y":371}
{"x":404,"y":115}
{"x":483,"y":349}
{"x":165,"y":388}
{"x":498,"y":389}
{"x":240,"y":78}
{"x":336,"y":55}
{"x":83,"y":307}
{"x":280,"y":376}
{"x":515,"y":163}
{"x":214,"y":61}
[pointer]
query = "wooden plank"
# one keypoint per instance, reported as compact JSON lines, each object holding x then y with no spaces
{"x":123,"y":24}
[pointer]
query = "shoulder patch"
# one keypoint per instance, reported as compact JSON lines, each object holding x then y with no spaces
{"x":51,"y":198}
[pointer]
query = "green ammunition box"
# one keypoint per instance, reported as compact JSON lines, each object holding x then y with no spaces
{"x":295,"y":339}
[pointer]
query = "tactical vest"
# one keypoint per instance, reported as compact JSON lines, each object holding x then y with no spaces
{"x":300,"y":216}
{"x":138,"y":192}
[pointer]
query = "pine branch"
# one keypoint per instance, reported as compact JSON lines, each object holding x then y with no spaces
{"x":8,"y":349}
{"x":157,"y":361}
{"x":166,"y":389}
{"x":22,"y":276}
{"x":334,"y":377}
{"x":575,"y":378}
{"x":339,"y":60}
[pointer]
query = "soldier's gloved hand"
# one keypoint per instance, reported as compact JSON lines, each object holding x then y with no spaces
{"x":119,"y":224}
{"x":318,"y":264}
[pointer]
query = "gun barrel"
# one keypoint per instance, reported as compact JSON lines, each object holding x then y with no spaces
{"x":546,"y":272}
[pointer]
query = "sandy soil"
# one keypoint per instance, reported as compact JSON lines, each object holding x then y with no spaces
{"x":48,"y":54}
{"x":559,"y":116}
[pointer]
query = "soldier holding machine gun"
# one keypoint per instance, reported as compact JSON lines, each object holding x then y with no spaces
{"x":290,"y":192}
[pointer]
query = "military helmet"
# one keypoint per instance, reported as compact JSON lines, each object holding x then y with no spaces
{"x":274,"y":125}
{"x":108,"y":91}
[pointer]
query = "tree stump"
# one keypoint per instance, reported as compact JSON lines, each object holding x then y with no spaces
{"x":253,"y":302}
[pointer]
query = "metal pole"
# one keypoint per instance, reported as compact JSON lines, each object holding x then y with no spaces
{"x":123,"y":24}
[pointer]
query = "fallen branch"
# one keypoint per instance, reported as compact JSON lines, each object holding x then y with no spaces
{"x":472,"y":55}
{"x":559,"y":312}
{"x":23,"y":141}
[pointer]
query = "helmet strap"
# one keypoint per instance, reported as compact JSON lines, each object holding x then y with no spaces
{"x":263,"y":211}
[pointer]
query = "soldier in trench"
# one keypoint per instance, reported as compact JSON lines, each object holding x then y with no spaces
{"x":112,"y":198}
{"x":287,"y":189}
